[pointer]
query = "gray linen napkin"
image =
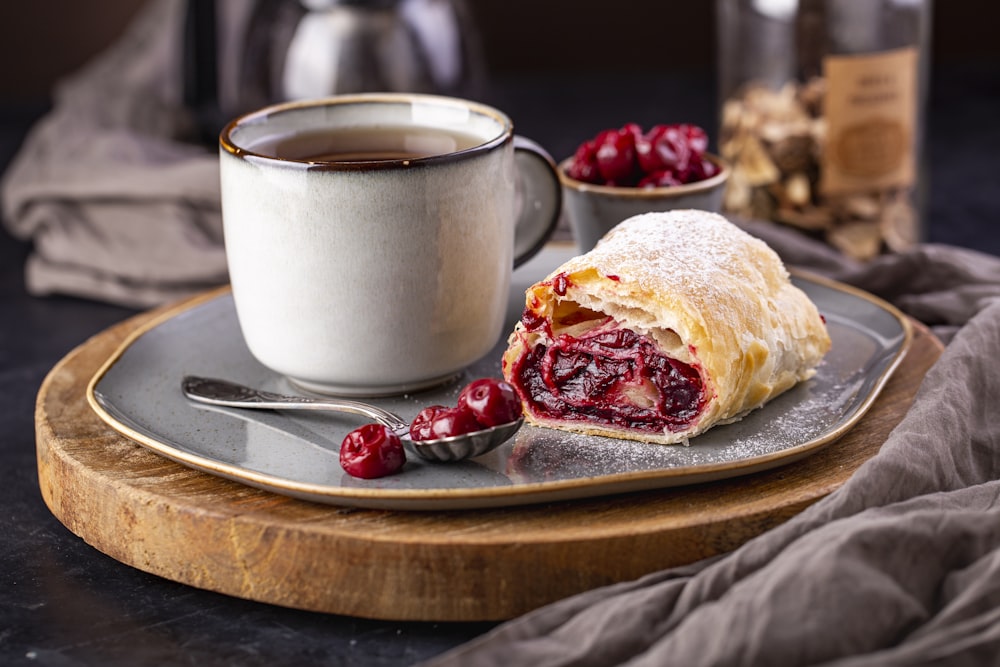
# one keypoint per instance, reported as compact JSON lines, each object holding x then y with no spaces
{"x":901,"y":566}
{"x":119,"y":207}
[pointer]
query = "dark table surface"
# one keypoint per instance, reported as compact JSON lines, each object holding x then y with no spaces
{"x":64,"y":603}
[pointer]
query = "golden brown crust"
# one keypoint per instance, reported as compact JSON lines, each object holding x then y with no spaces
{"x":708,"y":293}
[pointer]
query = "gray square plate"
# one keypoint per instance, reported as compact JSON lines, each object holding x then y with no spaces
{"x":138,"y":393}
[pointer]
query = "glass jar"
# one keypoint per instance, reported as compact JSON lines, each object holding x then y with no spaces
{"x":822,"y":119}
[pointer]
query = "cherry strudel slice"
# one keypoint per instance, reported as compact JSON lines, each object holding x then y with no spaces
{"x":674,"y":323}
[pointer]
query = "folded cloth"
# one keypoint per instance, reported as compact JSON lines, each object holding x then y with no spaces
{"x":900,"y":566}
{"x":120,"y":206}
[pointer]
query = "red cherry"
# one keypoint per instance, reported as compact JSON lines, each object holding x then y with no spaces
{"x":371,"y":451}
{"x":453,"y":421}
{"x":420,"y":427}
{"x":672,"y":148}
{"x":696,"y":138}
{"x":659,"y":179}
{"x":583,"y":166}
{"x":616,"y":155}
{"x":649,"y":160}
{"x":492,"y":401}
{"x":645,"y":156}
{"x":628,"y":157}
{"x":632,"y":128}
{"x":703,"y":169}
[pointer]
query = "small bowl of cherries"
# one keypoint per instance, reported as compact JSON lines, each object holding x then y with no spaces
{"x":626,"y":171}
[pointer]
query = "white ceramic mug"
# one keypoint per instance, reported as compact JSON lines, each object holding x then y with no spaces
{"x":370,"y":238}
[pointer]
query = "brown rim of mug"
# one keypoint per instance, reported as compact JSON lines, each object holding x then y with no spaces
{"x":647,"y":193}
{"x":506,"y":135}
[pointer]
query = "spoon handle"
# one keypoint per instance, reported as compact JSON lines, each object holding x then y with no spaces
{"x":229,"y":394}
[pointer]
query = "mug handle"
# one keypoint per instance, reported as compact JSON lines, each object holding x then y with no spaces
{"x":541,"y":199}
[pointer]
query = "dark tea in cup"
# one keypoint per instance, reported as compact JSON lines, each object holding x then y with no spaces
{"x":366,"y":144}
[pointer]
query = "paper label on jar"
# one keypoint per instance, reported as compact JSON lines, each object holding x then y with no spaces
{"x":870,"y":110}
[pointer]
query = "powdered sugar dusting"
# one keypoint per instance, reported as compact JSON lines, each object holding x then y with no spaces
{"x":676,"y":249}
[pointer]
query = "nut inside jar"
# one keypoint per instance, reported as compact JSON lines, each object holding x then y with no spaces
{"x":775,"y":142}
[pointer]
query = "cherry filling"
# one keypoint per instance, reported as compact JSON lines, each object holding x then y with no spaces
{"x":611,"y":376}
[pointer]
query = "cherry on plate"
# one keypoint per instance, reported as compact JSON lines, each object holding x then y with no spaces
{"x":372,"y":451}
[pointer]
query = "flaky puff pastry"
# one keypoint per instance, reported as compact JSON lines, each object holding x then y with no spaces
{"x":673,"y":323}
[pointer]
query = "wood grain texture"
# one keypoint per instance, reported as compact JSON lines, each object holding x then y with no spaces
{"x":197,"y":529}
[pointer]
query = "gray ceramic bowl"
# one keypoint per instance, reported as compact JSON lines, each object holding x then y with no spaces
{"x":592,"y":210}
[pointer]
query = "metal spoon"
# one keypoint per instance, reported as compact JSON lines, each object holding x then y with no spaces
{"x":229,"y":394}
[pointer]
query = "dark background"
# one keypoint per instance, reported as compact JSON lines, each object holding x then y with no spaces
{"x":517,"y":35}
{"x":565,"y":69}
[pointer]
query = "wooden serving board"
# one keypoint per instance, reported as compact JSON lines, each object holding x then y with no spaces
{"x":208,"y":532}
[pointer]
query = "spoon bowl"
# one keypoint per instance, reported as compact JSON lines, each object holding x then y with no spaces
{"x":213,"y":391}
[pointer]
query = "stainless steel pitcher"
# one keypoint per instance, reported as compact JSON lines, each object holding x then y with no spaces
{"x":298,"y":49}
